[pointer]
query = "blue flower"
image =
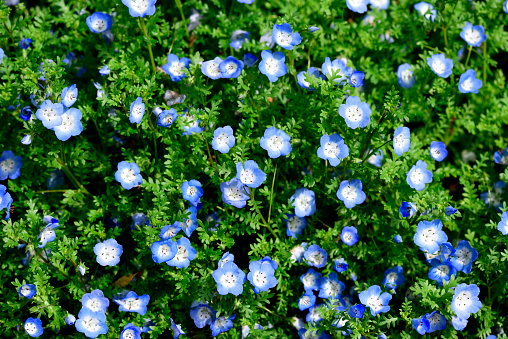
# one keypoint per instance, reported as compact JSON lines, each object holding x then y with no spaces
{"x":137,"y":110}
{"x":130,"y":331}
{"x":401,"y":140}
{"x":185,"y":254}
{"x":501,"y":157}
{"x":128,"y":174}
{"x":332,"y":149}
{"x":261,"y":275}
{"x":140,"y":8}
{"x":376,"y":158}
{"x":394,"y":278}
{"x":189,"y":225}
{"x":283,"y":36}
{"x":315,"y":314}
{"x":249,"y":174}
{"x":26,"y":113}
{"x":27,"y":291}
{"x":427,"y":10}
{"x":418,"y":176}
{"x":10,"y":165}
{"x":397,"y":239}
{"x":429,"y":235}
{"x":340,"y":265}
{"x":307,"y":301}
{"x":276,"y":142}
{"x":211,"y":68}
{"x":356,"y":311}
{"x":230,"y":67}
{"x":27,"y":140}
{"x":349,"y":235}
{"x":108,"y":252}
{"x":313,"y":72}
{"x":226,"y":257}
{"x":295,"y":225}
{"x":458,"y":323}
{"x":304,"y":201}
{"x":376,"y":301}
{"x":71,"y":124}
{"x":202,"y":315}
{"x":69,"y":96}
{"x":407,"y":209}
{"x":50,"y":114}
{"x":133,"y":303}
{"x":104,"y":71}
{"x":465,"y":300}
{"x":440,"y":271}
{"x":70,"y":319}
{"x":223,"y":139}
{"x":139,"y":219}
{"x":191,"y":191}
{"x":505,"y":7}
{"x":297,"y":252}
{"x":356,"y":78}
{"x":33,"y":327}
{"x":250,"y":60}
{"x":229,"y":279}
{"x":312,"y":29}
{"x":167,"y":117}
{"x":337,"y":67}
{"x":355,"y":112}
{"x":463,"y":257}
{"x":350,"y":192}
{"x":311,"y":280}
{"x":450,"y":210}
{"x":99,"y":22}
{"x":214,"y":220}
{"x":330,"y":286}
{"x":238,"y":37}
{"x":380,"y":4}
{"x":95,"y":301}
{"x":90,"y":323}
{"x":2,"y":54}
{"x":315,"y":256}
{"x":405,"y":76}
{"x":48,"y":233}
{"x":473,"y":35}
{"x":468,"y":82}
{"x":190,"y":124}
{"x":358,"y":6}
{"x":175,"y":67}
{"x":492,"y":197}
{"x":169,"y":231}
{"x":440,"y":65}
{"x":177,"y":329}
{"x":234,"y":193}
{"x":272,"y":65}
{"x":25,"y":43}
{"x":438,"y":150}
{"x":421,"y":325}
{"x":502,"y":226}
{"x":222,"y":324}
{"x":163,"y":250}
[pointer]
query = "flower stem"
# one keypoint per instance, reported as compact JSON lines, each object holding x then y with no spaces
{"x":468,"y":55}
{"x":271,"y":193}
{"x":143,"y":27}
{"x":485,"y":62}
{"x":153,"y":134}
{"x":259,"y":212}
{"x":179,"y":5}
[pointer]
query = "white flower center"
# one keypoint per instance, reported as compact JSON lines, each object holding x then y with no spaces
{"x":139,"y":6}
{"x":234,"y":193}
{"x":463,"y":300}
{"x":392,"y":277}
{"x":348,"y":236}
{"x":349,"y":192}
{"x":31,"y":328}
{"x":192,"y":190}
{"x":294,"y":223}
{"x":49,"y":113}
{"x":317,"y":258}
{"x":99,"y":25}
{"x":272,"y":65}
{"x":93,"y":304}
{"x":247,"y":176}
{"x":7,"y":165}
{"x":213,"y":68}
{"x":128,"y":334}
{"x":108,"y":253}
{"x":132,"y":303}
{"x":171,"y":232}
{"x":417,"y":176}
{"x":303,"y":202}
{"x":438,"y":66}
{"x":333,"y":288}
{"x":374,"y":303}
{"x":128,"y":175}
{"x":204,"y":313}
{"x":331,"y":149}
{"x":443,"y":270}
{"x":259,"y":278}
{"x":25,"y":290}
{"x":309,"y":279}
{"x":70,"y":96}
{"x":305,"y":300}
{"x":463,"y":256}
{"x":182,"y":253}
{"x":275,"y":143}
{"x":406,"y":76}
{"x":231,"y":67}
{"x":467,"y":84}
{"x":354,"y":113}
{"x":67,"y":122}
{"x":137,"y":110}
{"x":222,"y":139}
{"x":228,"y":279}
{"x":435,"y":152}
{"x":429,"y":235}
{"x":91,"y":324}
{"x":164,"y":250}
{"x":176,"y":68}
{"x":472,"y":36}
{"x":283,"y":38}
{"x":355,"y":3}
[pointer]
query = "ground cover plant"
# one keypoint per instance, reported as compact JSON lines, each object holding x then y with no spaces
{"x":254,"y":169}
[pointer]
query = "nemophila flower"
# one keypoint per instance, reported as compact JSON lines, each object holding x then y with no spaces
{"x":501,"y":157}
{"x":376,"y":158}
{"x":450,"y":210}
{"x":315,"y":256}
{"x":272,"y":65}
{"x":407,"y":209}
{"x":10,"y":165}
{"x":376,"y":301}
{"x":350,"y":192}
{"x":276,"y":142}
{"x":230,"y":67}
{"x":226,"y":257}
{"x":394,"y":278}
{"x":315,"y":314}
{"x":349,"y":235}
{"x":27,"y":291}
{"x":473,"y":35}
{"x":356,"y":311}
{"x":429,"y":235}
{"x":69,"y":95}
{"x":99,"y":22}
{"x":355,"y":112}
{"x":50,"y":114}
{"x":249,"y":174}
{"x":505,"y":6}
{"x":337,"y":67}
{"x":163,"y":250}
{"x":427,"y":10}
{"x":95,"y":301}
{"x":222,"y":324}
{"x":48,"y":233}
{"x":463,"y":257}
{"x":502,"y":226}
{"x":223,"y":139}
{"x":71,"y":124}
{"x":177,"y":329}
{"x":438,"y":150}
{"x":249,"y":60}
{"x":27,"y":140}
{"x":330,"y":286}
{"x":33,"y":327}
{"x":458,"y":323}
{"x":401,"y":140}
{"x":332,"y":149}
{"x":304,"y":202}
{"x":190,"y":124}
{"x":358,"y":6}
{"x":191,"y":191}
{"x":313,"y":72}
{"x":131,"y":302}
{"x":175,"y":67}
{"x":295,"y":225}
{"x":261,"y":275}
{"x":25,"y":43}
{"x":356,"y":78}
{"x":340,"y":265}
{"x":140,"y":8}
{"x":139,"y":219}
{"x":104,"y":70}
{"x":306,"y":301}
{"x":312,"y":29}
{"x":25,"y":113}
{"x":311,"y":280}
{"x":229,"y":279}
{"x":380,"y":4}
{"x":128,"y":174}
{"x":167,"y":117}
{"x":70,"y":319}
{"x":211,"y":68}
{"x":130,"y":331}
{"x":100,"y":92}
{"x":440,"y":271}
{"x":283,"y":36}
{"x":267,"y":39}
{"x":418,"y":176}
{"x":202,"y":315}
{"x":194,"y":20}
{"x":421,"y":325}
{"x":190,"y":224}
{"x":108,"y":252}
{"x":185,"y":254}
{"x":90,"y":323}
{"x":468,"y":82}
{"x":397,"y":239}
{"x":238,"y":37}
{"x":338,"y":303}
{"x":214,"y":220}
{"x":465,"y":300}
{"x":297,"y":252}
{"x":169,"y":231}
{"x":440,"y":65}
{"x":234,"y":193}
{"x":405,"y":76}
{"x":493,"y":197}
{"x":2,"y":54}
{"x":137,"y":110}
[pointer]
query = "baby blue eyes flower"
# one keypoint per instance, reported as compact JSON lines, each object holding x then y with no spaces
{"x":230,"y":68}
{"x":50,"y":114}
{"x":440,"y":65}
{"x":27,"y":140}
{"x":249,"y":174}
{"x":418,"y":176}
{"x":407,"y":209}
{"x":26,"y":113}
{"x":330,"y":286}
{"x":458,"y":323}
{"x":108,"y":252}
{"x":450,"y":210}
{"x":349,"y":235}
{"x":250,"y":60}
{"x":167,"y":117}
{"x":358,"y":6}
{"x":313,"y":72}
{"x":229,"y":279}
{"x":332,"y":149}
{"x":190,"y":124}
{"x":465,"y":300}
{"x":463,"y":257}
{"x":25,"y":43}
{"x":429,"y":235}
{"x":501,"y":157}
{"x":191,"y":191}
{"x":283,"y":36}
{"x":307,"y":301}
{"x":175,"y":67}
{"x":185,"y":254}
{"x":130,"y":331}
{"x":69,"y":95}
{"x":468,"y":82}
{"x":421,"y":325}
{"x":222,"y":324}
{"x":405,"y":76}
{"x":202,"y":315}
{"x":163,"y":250}
{"x":177,"y":329}
{"x":310,"y":280}
{"x":133,"y":303}
{"x":48,"y":234}
{"x":380,"y":4}
{"x":5,"y":200}
{"x":502,"y":226}
{"x":99,"y":22}
{"x":90,"y":323}
{"x":397,"y":239}
{"x":295,"y":225}
{"x":438,"y":150}
{"x":261,"y":275}
{"x":140,"y":8}
{"x":137,"y":110}
{"x":211,"y":68}
{"x":337,"y":67}
{"x":276,"y":142}
{"x":423,"y":8}
{"x":140,"y":220}
{"x":169,"y":231}
{"x":350,"y":192}
{"x":440,"y":271}
{"x":356,"y":79}
{"x":356,"y":311}
{"x":71,"y":124}
{"x":2,"y":54}
{"x":10,"y":165}
{"x":272,"y":65}
{"x":340,"y":265}
{"x":473,"y":35}
{"x":238,"y":37}
{"x":437,"y":322}
{"x":70,"y":319}
{"x":394,"y":278}
{"x":312,"y":29}
{"x":95,"y":301}
{"x":33,"y":327}
{"x":234,"y":193}
{"x":316,"y":256}
{"x":355,"y":112}
{"x":304,"y":202}
{"x":128,"y":174}
{"x":27,"y":291}
{"x":314,"y":316}
{"x":375,"y":300}
{"x":223,"y":139}
{"x":104,"y":71}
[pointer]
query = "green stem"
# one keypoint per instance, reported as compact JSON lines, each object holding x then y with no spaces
{"x":468,"y":55}
{"x":53,"y":191}
{"x":485,"y":62}
{"x":210,"y":159}
{"x":153,"y":135}
{"x":445,"y":35}
{"x":292,"y":63}
{"x":372,"y":133}
{"x":179,"y":5}
{"x":259,"y":212}
{"x":148,"y":43}
{"x":72,"y":177}
{"x":374,"y":151}
{"x":271,"y":193}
